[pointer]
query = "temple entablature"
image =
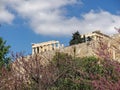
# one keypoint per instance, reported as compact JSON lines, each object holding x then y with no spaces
{"x":45,"y":46}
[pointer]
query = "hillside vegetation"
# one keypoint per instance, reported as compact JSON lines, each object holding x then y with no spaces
{"x":63,"y":72}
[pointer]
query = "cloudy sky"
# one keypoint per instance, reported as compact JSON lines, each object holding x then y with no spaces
{"x":23,"y":22}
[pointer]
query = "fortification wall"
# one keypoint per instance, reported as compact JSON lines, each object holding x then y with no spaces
{"x":79,"y":50}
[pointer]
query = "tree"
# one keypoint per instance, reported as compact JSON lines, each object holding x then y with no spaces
{"x":84,"y":38}
{"x":89,"y":38}
{"x":76,"y":38}
{"x":4,"y":50}
{"x":63,"y":72}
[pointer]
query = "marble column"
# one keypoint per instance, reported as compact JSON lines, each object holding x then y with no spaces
{"x":33,"y":50}
{"x":40,"y":49}
{"x":95,"y":37}
{"x":50,"y":47}
{"x":37,"y":49}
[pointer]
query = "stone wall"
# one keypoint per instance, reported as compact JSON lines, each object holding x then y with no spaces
{"x":79,"y":50}
{"x":86,"y":49}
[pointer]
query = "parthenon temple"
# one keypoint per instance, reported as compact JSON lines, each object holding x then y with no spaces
{"x":96,"y":35}
{"x":45,"y":46}
{"x":111,"y":41}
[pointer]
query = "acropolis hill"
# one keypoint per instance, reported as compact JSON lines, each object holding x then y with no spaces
{"x":45,"y":51}
{"x":87,"y":48}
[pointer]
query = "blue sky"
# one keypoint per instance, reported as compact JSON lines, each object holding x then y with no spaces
{"x":32,"y":21}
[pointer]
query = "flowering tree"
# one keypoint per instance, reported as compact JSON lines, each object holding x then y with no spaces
{"x":110,"y":80}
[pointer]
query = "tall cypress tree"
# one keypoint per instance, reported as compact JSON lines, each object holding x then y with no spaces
{"x":76,"y":38}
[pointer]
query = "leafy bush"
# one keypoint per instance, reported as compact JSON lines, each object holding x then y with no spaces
{"x":86,"y":73}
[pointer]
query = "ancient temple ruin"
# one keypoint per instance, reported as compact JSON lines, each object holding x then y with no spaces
{"x":82,"y":49}
{"x":112,"y":42}
{"x":96,"y":35}
{"x":45,"y":46}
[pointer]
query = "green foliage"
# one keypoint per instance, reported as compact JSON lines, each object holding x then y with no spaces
{"x":68,"y":84}
{"x":90,"y":65}
{"x":62,"y":60}
{"x":4,"y":59}
{"x":80,"y":73}
{"x":76,"y":38}
{"x":71,"y":78}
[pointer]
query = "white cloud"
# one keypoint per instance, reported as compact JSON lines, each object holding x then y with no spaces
{"x":5,"y":15}
{"x":47,"y":17}
{"x":101,"y":20}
